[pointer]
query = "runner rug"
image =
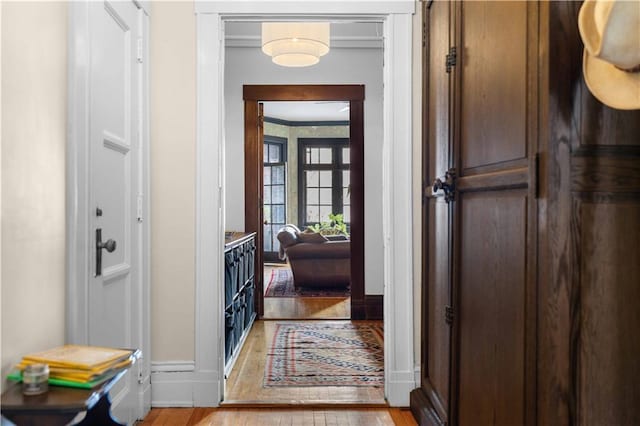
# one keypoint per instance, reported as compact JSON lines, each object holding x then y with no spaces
{"x":281,"y":285}
{"x":326,"y":354}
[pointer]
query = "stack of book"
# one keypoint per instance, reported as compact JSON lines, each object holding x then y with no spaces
{"x":78,"y":366}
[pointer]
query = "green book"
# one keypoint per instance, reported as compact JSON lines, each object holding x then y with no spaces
{"x":16,"y":376}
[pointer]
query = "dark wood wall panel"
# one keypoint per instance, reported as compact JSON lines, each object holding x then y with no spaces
{"x":609,"y":338}
{"x":611,"y":173}
{"x":604,"y":126}
{"x":589,"y":289}
{"x":492,"y":308}
{"x":494,"y":82}
{"x":438,"y":299}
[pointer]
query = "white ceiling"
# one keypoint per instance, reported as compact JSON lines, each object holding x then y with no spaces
{"x":340,"y":31}
{"x":307,"y":111}
{"x":366,"y":35}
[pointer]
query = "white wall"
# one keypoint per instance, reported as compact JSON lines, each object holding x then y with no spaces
{"x":173,"y":163}
{"x":34,"y":94}
{"x":248,"y":65}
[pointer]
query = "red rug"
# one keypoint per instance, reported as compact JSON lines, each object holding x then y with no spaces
{"x":326,"y":354}
{"x":281,"y":285}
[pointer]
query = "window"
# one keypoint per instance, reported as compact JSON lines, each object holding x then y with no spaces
{"x":274,"y":193}
{"x":323,"y":179}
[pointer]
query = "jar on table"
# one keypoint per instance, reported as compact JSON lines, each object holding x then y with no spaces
{"x":35,"y":379}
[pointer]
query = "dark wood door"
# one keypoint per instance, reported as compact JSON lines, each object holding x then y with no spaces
{"x":437,"y":220}
{"x":546,"y":228}
{"x":495,"y":145}
{"x":481,"y":141}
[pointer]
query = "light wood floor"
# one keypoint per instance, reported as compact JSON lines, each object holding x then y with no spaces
{"x":304,"y":307}
{"x":277,"y":416}
{"x":244,"y":385}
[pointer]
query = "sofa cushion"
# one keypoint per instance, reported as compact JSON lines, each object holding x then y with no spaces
{"x":311,"y":237}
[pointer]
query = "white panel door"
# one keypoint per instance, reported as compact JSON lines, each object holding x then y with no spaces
{"x":114,"y":287}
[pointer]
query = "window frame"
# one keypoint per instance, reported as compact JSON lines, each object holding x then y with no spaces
{"x":337,"y":166}
{"x":281,"y":142}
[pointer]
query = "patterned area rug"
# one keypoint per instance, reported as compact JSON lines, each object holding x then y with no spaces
{"x":326,"y":354}
{"x":281,"y":285}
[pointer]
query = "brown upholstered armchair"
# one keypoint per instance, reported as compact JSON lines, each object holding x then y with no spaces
{"x":316,"y":261}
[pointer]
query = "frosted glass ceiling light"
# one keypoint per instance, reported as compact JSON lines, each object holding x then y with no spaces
{"x":295,"y":44}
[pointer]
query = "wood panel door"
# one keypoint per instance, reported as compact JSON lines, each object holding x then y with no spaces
{"x":495,"y":145}
{"x":437,"y":219}
{"x":480,"y":218}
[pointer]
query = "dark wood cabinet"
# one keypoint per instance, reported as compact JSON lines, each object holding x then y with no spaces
{"x":239,"y":292}
{"x":531,"y":225}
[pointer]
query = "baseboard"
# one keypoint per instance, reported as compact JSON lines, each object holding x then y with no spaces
{"x":172,"y":384}
{"x":177,"y":384}
{"x":398,"y":387}
{"x":417,"y":377}
{"x":374,"y":306}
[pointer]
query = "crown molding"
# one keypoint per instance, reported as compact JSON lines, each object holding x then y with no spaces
{"x":306,"y":7}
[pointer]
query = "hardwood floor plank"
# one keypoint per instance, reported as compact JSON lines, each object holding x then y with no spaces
{"x":304,"y":307}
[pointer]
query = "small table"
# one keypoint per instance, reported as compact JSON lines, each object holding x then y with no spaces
{"x":59,"y":405}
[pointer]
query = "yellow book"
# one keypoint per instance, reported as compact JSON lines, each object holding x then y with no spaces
{"x":92,"y":359}
{"x":75,"y":374}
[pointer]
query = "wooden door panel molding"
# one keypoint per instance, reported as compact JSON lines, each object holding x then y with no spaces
{"x":361,"y":306}
{"x":505,"y":179}
{"x":496,"y":85}
{"x":439,"y":297}
{"x":492,"y":307}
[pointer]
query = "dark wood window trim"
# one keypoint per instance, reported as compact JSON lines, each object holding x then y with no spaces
{"x":283,"y":142}
{"x":354,"y":94}
{"x":336,"y":166}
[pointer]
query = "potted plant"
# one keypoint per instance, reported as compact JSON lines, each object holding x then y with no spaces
{"x":334,"y":226}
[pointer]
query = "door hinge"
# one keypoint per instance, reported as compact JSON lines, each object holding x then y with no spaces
{"x":451,"y":58}
{"x":536,"y":178}
{"x":140,"y":49}
{"x":448,"y":314}
{"x":424,"y":34}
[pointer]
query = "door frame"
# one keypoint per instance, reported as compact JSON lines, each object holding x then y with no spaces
{"x":397,"y":226}
{"x":253,"y":165}
{"x":79,"y":249}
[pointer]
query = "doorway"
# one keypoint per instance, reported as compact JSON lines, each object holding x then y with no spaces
{"x":396,"y":203}
{"x":306,"y":191}
{"x":351,"y":95}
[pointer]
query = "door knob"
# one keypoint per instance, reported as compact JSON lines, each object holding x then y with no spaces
{"x":109,"y":246}
{"x":446,"y":184}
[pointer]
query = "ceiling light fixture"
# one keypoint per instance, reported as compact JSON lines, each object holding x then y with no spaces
{"x":295,"y":44}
